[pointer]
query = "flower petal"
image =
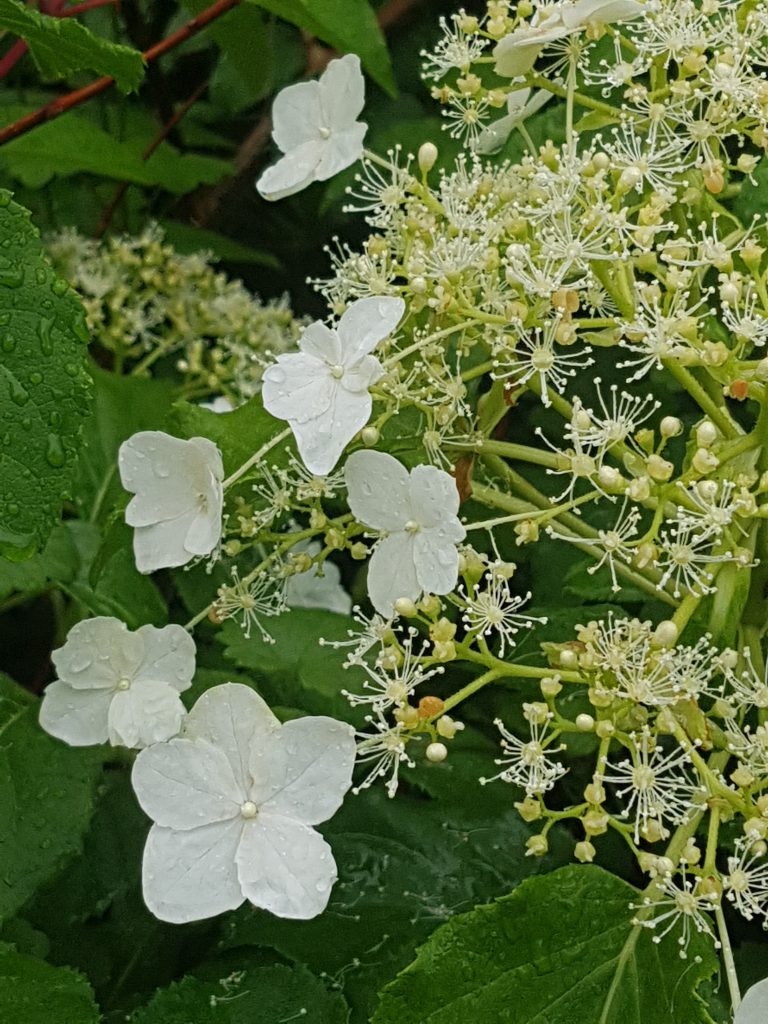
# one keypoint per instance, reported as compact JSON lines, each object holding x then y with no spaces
{"x":362,"y":375}
{"x":367,"y":322}
{"x":184,"y":784}
{"x":754,"y":1005}
{"x":304,"y":770}
{"x":285,"y":867}
{"x":147,"y":712}
{"x":296,"y":115}
{"x":322,"y":440}
{"x":297,"y":387}
{"x":322,"y":342}
{"x":310,"y":590}
{"x":434,"y":496}
{"x":392,"y":573}
{"x":379,"y":490}
{"x":98,"y":653}
{"x":79,"y":717}
{"x":189,"y":876}
{"x":162,"y":545}
{"x":155,"y":467}
{"x":203,"y":532}
{"x":232,"y":717}
{"x":169,"y":656}
{"x":292,"y":173}
{"x":341,"y":92}
{"x":341,"y":150}
{"x":436,"y":560}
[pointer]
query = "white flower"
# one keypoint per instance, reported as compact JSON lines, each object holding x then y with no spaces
{"x":233,"y":801}
{"x":118,"y":686}
{"x":315,"y":125}
{"x":754,"y":1005}
{"x":516,"y":53}
{"x":417,"y":511}
{"x":311,"y":590}
{"x":520,"y":106}
{"x":176,"y":511}
{"x":322,"y":390}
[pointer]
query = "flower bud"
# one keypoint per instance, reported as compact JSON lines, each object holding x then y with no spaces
{"x":706,"y":434}
{"x":427,"y":157}
{"x":658,"y":468}
{"x":370,"y":436}
{"x":359,"y":551}
{"x":537,"y":846}
{"x":594,"y":793}
{"x":584,"y":852}
{"x":704,"y":461}
{"x":595,"y":823}
{"x":605,"y":729}
{"x":550,"y":686}
{"x":670,"y":426}
{"x":436,"y":752}
{"x":447,"y":727}
{"x":408,"y":716}
{"x":528,"y":809}
{"x":585,"y":723}
{"x":405,"y":606}
{"x":666,"y":634}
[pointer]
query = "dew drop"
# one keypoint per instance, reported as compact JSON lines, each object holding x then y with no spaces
{"x":12,"y":277}
{"x":8,"y":343}
{"x":54,"y":453}
{"x":44,"y":334}
{"x":59,"y":287}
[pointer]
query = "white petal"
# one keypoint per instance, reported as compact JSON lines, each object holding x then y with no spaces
{"x":304,"y":770}
{"x":188,"y":876}
{"x":754,"y":1005}
{"x":169,"y":656}
{"x":434,"y":495}
{"x":341,"y":150}
{"x":98,"y":653}
{"x":147,"y":712}
{"x":297,"y":387}
{"x":514,"y":57}
{"x":292,"y":173}
{"x":379,"y":490}
{"x":322,"y":440}
{"x":162,"y":545}
{"x":392,"y":573}
{"x":296,"y":115}
{"x":204,"y":532}
{"x":232,"y":717}
{"x":309,"y":590}
{"x":436,"y":560}
{"x":285,"y":867}
{"x":152,"y":466}
{"x":322,"y":342}
{"x":362,"y":374}
{"x":184,"y":784}
{"x":79,"y":717}
{"x":605,"y":11}
{"x":342,"y":92}
{"x":367,"y":322}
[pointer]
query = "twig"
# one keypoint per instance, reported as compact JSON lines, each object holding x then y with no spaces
{"x":162,"y":135}
{"x":74,"y":99}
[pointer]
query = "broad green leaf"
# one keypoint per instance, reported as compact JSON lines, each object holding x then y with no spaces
{"x":61,"y":46}
{"x":33,"y":992}
{"x":74,"y":145}
{"x":57,"y":563}
{"x":94,"y":917}
{"x":349,"y":25}
{"x":560,"y":949}
{"x":297,"y":669}
{"x":239,"y":434}
{"x":44,"y":385}
{"x":405,"y":866}
{"x":255,"y":995}
{"x":122,"y":406}
{"x":188,"y":239}
{"x":46,"y":798}
{"x":751,"y":197}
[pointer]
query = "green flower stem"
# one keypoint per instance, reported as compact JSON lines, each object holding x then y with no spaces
{"x":528,"y":512}
{"x":256,"y":457}
{"x":712,"y":836}
{"x":730,"y":966}
{"x":718,"y":414}
{"x":523,"y":453}
{"x":466,"y":691}
{"x":417,"y":346}
{"x":539,"y":82}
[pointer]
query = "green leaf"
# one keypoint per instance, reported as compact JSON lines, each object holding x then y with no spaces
{"x":57,"y":563}
{"x":44,"y":385}
{"x":405,"y":867}
{"x":33,"y":992}
{"x":239,"y":434}
{"x":74,"y":144}
{"x":188,"y":239}
{"x":256,"y":995}
{"x":349,"y":25}
{"x":46,"y":798}
{"x":560,"y":949}
{"x":122,"y":406}
{"x":61,"y":46}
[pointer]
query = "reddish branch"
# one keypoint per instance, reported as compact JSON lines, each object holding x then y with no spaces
{"x":74,"y":99}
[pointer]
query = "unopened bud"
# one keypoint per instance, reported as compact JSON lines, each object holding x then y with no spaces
{"x":370,"y":436}
{"x":666,"y":634}
{"x":427,"y":157}
{"x":537,"y":846}
{"x":670,"y":426}
{"x":706,"y":434}
{"x":406,"y":607}
{"x":528,"y":809}
{"x":584,"y":852}
{"x":585,"y":723}
{"x":436,"y":752}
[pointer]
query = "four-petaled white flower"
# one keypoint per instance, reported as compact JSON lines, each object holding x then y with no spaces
{"x":417,"y":513}
{"x":516,"y":53}
{"x":322,"y":390}
{"x":233,"y":800}
{"x":117,"y":685}
{"x":178,"y":497}
{"x":315,"y":125}
{"x":754,"y":1005}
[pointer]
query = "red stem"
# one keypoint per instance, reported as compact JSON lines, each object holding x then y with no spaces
{"x":75,"y":98}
